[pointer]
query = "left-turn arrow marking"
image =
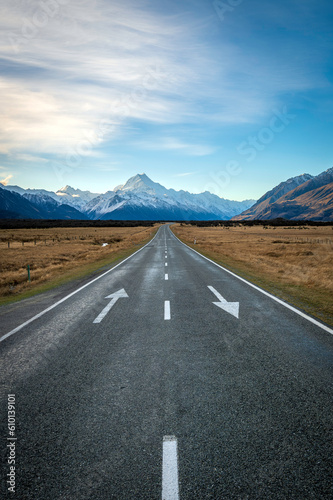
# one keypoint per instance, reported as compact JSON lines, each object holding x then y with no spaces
{"x":114,"y":296}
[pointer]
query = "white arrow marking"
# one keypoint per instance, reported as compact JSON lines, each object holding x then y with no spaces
{"x":114,"y":296}
{"x":230,"y":307}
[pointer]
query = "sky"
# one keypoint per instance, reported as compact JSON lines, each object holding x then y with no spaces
{"x":231,"y":97}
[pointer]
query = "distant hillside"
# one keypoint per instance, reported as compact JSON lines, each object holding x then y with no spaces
{"x":316,"y":204}
{"x":14,"y":206}
{"x":311,"y":199}
{"x":261,"y":206}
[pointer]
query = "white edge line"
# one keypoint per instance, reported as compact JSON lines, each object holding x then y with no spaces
{"x":18,"y":328}
{"x":285,"y":304}
{"x":170,"y":485}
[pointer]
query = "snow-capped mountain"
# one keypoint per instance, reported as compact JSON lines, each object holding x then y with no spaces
{"x":14,"y":205}
{"x":75,"y":197}
{"x":142,"y":198}
{"x":139,"y":198}
{"x":53,"y":209}
{"x":66,"y":195}
{"x":37,"y":192}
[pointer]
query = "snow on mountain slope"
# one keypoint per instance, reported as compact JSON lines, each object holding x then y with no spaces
{"x":53,"y":209}
{"x":38,"y":192}
{"x":75,"y":197}
{"x":14,"y":206}
{"x":140,"y":197}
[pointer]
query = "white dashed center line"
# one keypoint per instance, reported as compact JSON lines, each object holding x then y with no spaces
{"x":170,"y":487}
{"x":167,"y":313}
{"x":166,"y":276}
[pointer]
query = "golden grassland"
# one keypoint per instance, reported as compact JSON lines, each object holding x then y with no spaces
{"x":293,"y":263}
{"x":57,"y":255}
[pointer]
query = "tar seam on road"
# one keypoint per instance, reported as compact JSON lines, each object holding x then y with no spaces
{"x":285,"y":304}
{"x":73,"y":293}
{"x":170,"y":487}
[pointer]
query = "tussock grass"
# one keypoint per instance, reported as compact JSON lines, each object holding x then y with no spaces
{"x":60,"y":254}
{"x":295,"y":264}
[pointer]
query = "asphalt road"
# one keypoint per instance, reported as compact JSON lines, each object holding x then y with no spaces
{"x":244,"y":391}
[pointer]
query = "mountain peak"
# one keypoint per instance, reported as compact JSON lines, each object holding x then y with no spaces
{"x":328,"y":171}
{"x":139,"y":177}
{"x":66,"y":189}
{"x":140,"y":182}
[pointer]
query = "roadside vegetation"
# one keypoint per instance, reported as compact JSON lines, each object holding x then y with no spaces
{"x":294,"y":263}
{"x":56,"y":255}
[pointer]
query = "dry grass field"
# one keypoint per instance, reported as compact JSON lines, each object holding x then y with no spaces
{"x":293,"y":263}
{"x":59,"y":254}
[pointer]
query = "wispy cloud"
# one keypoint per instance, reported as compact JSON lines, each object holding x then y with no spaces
{"x":5,"y":181}
{"x":120,"y":62}
{"x":184,"y":174}
{"x":173,"y":144}
{"x":31,"y":158}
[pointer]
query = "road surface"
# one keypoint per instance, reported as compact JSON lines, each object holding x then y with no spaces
{"x":166,"y":377}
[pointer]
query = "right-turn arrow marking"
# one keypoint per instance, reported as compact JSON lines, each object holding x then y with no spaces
{"x":230,"y":307}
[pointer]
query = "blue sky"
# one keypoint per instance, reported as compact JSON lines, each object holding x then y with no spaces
{"x":229,"y":96}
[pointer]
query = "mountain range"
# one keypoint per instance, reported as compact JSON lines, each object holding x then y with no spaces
{"x":139,"y":198}
{"x":300,"y":198}
{"x":14,"y":205}
{"x":304,"y":197}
